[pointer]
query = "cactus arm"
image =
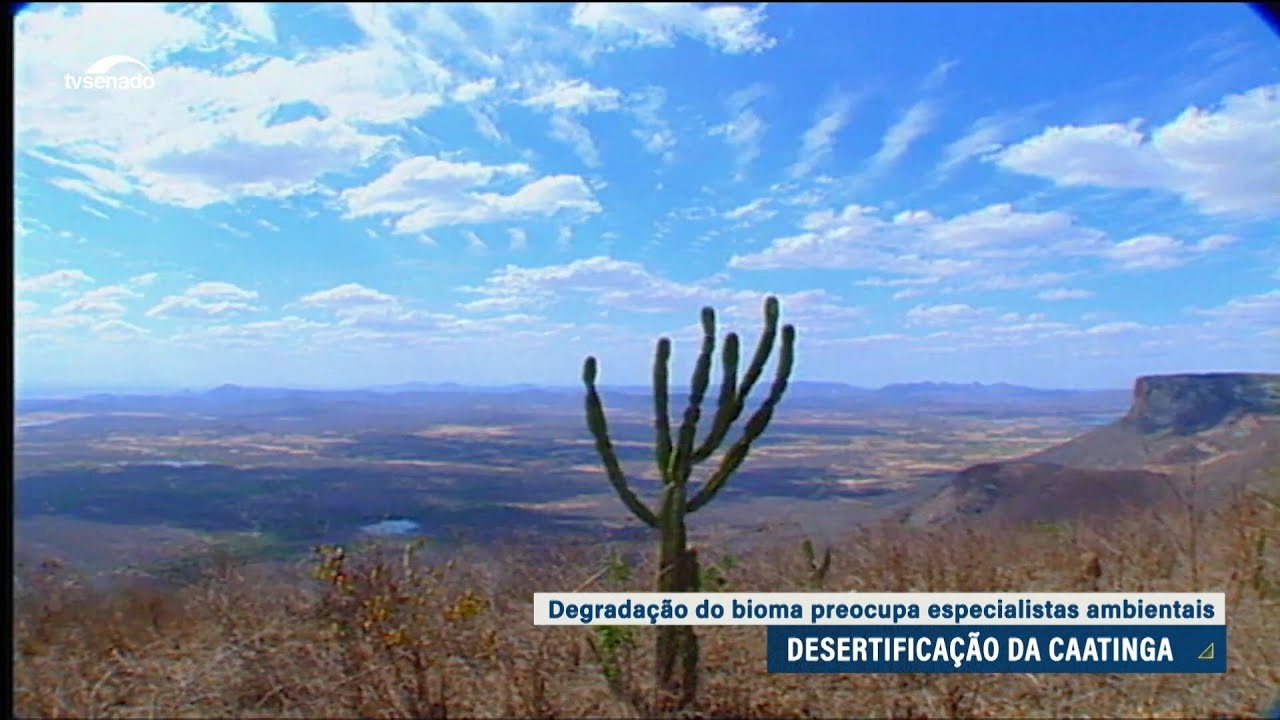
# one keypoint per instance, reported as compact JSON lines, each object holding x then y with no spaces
{"x":736,"y":454}
{"x":661,"y":418}
{"x":725,"y":413}
{"x":764,"y":347}
{"x":680,"y":463}
{"x":600,"y":430}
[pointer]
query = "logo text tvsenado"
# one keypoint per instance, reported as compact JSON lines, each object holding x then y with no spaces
{"x":100,"y":76}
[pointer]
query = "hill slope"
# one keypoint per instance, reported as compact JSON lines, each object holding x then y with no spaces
{"x":1223,"y":429}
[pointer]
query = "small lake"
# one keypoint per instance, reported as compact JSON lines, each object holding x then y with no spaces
{"x":392,"y":527}
{"x":183,"y":463}
{"x":162,"y":463}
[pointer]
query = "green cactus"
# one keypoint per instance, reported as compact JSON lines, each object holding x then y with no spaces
{"x":678,"y":564}
{"x":714,"y":578}
{"x":817,"y":570}
{"x":1261,"y":583}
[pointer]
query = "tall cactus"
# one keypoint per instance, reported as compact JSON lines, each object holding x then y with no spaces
{"x":678,"y":564}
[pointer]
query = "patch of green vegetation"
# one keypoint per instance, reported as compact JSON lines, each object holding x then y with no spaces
{"x":222,"y":549}
{"x":1053,"y":528}
{"x":714,"y":577}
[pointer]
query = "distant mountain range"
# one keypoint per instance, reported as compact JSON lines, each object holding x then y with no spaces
{"x":931,"y":392}
{"x":1224,"y":427}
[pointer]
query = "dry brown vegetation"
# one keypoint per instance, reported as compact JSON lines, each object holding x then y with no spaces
{"x":379,"y":634}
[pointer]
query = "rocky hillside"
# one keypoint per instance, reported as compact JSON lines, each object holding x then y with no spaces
{"x":1032,"y":491}
{"x":1188,"y":404}
{"x":1223,"y":429}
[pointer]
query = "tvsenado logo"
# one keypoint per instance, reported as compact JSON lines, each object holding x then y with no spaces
{"x":104,"y":75}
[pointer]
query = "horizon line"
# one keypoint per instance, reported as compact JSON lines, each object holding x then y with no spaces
{"x":131,"y":388}
{"x":134,"y":389}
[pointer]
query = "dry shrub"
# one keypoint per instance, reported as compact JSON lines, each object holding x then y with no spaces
{"x":383,"y":634}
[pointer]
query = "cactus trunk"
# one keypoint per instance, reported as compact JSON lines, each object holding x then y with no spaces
{"x":677,"y":645}
{"x":678,"y":571}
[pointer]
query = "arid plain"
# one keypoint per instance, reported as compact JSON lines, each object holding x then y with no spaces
{"x":107,"y":482}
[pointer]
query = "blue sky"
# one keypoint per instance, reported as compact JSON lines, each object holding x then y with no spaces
{"x":331,"y":195}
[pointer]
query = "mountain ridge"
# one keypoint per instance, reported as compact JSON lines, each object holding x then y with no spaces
{"x":1221,"y":428}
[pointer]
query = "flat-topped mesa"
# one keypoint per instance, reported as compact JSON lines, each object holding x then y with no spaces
{"x":1193,"y":402}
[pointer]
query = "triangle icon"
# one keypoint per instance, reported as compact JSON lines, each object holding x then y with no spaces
{"x":1207,"y":653}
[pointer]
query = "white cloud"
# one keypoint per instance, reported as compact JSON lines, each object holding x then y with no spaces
{"x":94,"y":212}
{"x":729,"y":28}
{"x":117,"y":330}
{"x":1000,"y":226}
{"x":401,"y":188}
{"x":1161,"y":252}
{"x":474,"y":90}
{"x":211,"y":137}
{"x":743,"y":133}
{"x":519,"y":239}
{"x":495,"y":304}
{"x":658,"y":142}
{"x":348,"y":295}
{"x":367,"y":309}
{"x":96,"y":182}
{"x":144,"y":279}
{"x":1253,"y":311}
{"x":367,"y":315}
{"x":898,"y":139}
{"x":1115,"y":328}
{"x":207,"y":138}
{"x":629,"y":286}
{"x":255,"y":17}
{"x":1223,"y":161}
{"x":475,"y":243}
{"x":206,"y":300}
{"x":51,"y":326}
{"x":754,"y":211}
{"x":1146,"y":252}
{"x":56,"y":280}
{"x":427,"y":192}
{"x":107,"y":300}
{"x":743,"y":98}
{"x":921,"y":244}
{"x":745,"y":130}
{"x":181,"y":306}
{"x":233,"y":230}
{"x":220,"y":291}
{"x":1021,"y":281}
{"x":575,"y":96}
{"x":897,"y":282}
{"x":938,"y":75}
{"x":570,"y":131}
{"x":909,"y":294}
{"x":654,"y":132}
{"x":950,"y":314}
{"x":821,"y":136}
{"x":984,"y":138}
{"x":1216,"y":242}
{"x":1057,"y":294}
{"x":485,"y":125}
{"x":914,"y":217}
{"x":78,"y":36}
{"x":1108,"y":155}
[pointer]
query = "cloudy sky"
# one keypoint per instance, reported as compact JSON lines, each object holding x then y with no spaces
{"x":333,"y":195}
